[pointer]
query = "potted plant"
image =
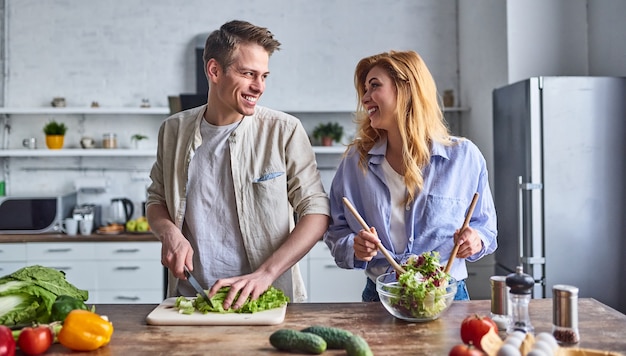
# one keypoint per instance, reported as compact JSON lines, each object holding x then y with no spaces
{"x":328,"y":133}
{"x":137,"y":138}
{"x":55,"y":134}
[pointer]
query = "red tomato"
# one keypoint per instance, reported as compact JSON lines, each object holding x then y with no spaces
{"x":474,"y":327}
{"x":7,"y":343}
{"x":465,"y":350}
{"x":35,"y":340}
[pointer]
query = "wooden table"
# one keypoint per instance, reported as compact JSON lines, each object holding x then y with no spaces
{"x":600,"y":328}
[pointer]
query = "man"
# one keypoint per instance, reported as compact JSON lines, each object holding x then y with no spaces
{"x":229,"y":176}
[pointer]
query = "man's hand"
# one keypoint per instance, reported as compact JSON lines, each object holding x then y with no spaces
{"x":250,"y":285}
{"x":176,"y":253}
{"x":469,"y":242}
{"x":366,"y":244}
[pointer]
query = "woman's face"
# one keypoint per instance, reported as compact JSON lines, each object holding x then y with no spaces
{"x":380,"y":99}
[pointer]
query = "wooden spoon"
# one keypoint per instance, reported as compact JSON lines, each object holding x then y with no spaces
{"x":470,"y":211}
{"x":380,"y":246}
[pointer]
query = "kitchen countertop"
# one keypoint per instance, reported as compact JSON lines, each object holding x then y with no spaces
{"x":123,"y":237}
{"x":601,"y":328}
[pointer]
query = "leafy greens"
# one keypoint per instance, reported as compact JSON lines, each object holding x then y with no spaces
{"x":270,"y":299}
{"x":422,"y":287}
{"x":27,"y":295}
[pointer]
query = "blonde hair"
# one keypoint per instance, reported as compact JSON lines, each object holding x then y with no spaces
{"x":419,"y":119}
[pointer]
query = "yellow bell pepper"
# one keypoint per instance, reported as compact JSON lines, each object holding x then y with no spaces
{"x":84,"y":330}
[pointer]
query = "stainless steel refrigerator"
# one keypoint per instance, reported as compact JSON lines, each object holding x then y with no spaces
{"x":560,"y":184}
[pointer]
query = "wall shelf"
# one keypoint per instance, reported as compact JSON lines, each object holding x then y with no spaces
{"x":456,"y":109}
{"x":119,"y":152}
{"x":78,"y":152}
{"x":85,"y":111}
{"x":329,"y":149}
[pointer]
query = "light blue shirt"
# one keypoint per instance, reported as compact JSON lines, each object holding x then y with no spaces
{"x":454,"y":174}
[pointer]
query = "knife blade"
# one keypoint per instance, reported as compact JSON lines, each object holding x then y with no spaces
{"x":196,"y":285}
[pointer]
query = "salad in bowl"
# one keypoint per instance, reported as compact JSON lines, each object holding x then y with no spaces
{"x":422,"y":293}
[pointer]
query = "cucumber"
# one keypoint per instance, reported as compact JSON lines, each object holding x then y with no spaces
{"x":335,"y":338}
{"x":357,"y":346}
{"x":294,"y":340}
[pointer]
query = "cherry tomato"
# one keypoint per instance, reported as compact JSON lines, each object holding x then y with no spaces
{"x":465,"y":350}
{"x":474,"y":327}
{"x":7,"y":343}
{"x":35,"y":340}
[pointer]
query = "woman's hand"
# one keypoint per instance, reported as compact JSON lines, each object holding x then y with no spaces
{"x":469,"y":242}
{"x":365,"y":244}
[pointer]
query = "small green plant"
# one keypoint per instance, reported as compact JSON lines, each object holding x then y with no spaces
{"x":138,"y":137}
{"x":55,"y":128}
{"x":331,"y":129}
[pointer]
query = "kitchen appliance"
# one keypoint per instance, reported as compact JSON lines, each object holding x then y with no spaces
{"x":122,"y":210}
{"x":559,"y":179}
{"x":35,"y":214}
{"x":88,"y":212}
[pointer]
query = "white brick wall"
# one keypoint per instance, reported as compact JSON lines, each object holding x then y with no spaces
{"x":117,"y":52}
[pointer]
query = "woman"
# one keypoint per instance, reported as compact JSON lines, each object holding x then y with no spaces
{"x":410,"y":180}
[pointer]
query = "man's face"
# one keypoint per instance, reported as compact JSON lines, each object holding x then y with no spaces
{"x":243,"y":83}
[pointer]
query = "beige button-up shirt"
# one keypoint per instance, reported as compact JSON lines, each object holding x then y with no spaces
{"x":274,"y":175}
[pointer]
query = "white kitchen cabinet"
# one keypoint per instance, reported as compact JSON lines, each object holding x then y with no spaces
{"x":130,"y":272}
{"x":112,"y":272}
{"x":328,"y":283}
{"x":56,"y":251}
{"x":76,"y":260}
{"x":12,"y":257}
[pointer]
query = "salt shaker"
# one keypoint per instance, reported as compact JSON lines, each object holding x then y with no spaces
{"x":565,"y":314}
{"x":500,"y":302}
{"x":521,"y":285}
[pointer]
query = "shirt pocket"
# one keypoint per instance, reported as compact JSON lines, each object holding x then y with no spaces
{"x":442,"y":216}
{"x":268,"y":176}
{"x":269,"y":195}
{"x":269,"y":185}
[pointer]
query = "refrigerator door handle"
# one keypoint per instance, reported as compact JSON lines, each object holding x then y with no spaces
{"x":521,"y":187}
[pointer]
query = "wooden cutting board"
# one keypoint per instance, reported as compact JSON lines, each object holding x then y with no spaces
{"x":166,"y":314}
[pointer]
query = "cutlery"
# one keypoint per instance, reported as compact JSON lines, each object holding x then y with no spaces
{"x":381,"y":248}
{"x":196,"y":285}
{"x":470,"y":211}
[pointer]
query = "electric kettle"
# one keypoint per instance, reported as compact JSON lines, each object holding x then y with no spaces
{"x":122,"y":210}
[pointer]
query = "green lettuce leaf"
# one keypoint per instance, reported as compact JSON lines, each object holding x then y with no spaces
{"x":270,"y":299}
{"x":27,"y":295}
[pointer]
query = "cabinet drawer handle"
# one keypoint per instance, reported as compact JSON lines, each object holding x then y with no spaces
{"x":331,"y":266}
{"x":55,"y":250}
{"x":472,"y":273}
{"x":122,"y":297}
{"x":127,"y":268}
{"x":61,"y":268}
{"x":127,"y":250}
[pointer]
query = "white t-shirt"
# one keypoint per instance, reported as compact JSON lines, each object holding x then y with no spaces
{"x":397,"y":188}
{"x":211,"y":224}
{"x":399,"y":240}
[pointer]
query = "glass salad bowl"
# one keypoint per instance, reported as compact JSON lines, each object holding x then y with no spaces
{"x":415,"y":302}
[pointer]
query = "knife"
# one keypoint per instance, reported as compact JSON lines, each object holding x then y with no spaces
{"x":196,"y":285}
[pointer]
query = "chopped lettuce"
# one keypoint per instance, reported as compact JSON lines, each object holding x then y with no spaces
{"x":184,"y":305}
{"x":270,"y":299}
{"x":422,"y":287}
{"x":27,"y":295}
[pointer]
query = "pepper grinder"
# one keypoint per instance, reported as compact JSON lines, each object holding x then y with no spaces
{"x":520,"y":285}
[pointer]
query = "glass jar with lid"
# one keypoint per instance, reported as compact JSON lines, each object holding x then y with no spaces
{"x":109,"y":140}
